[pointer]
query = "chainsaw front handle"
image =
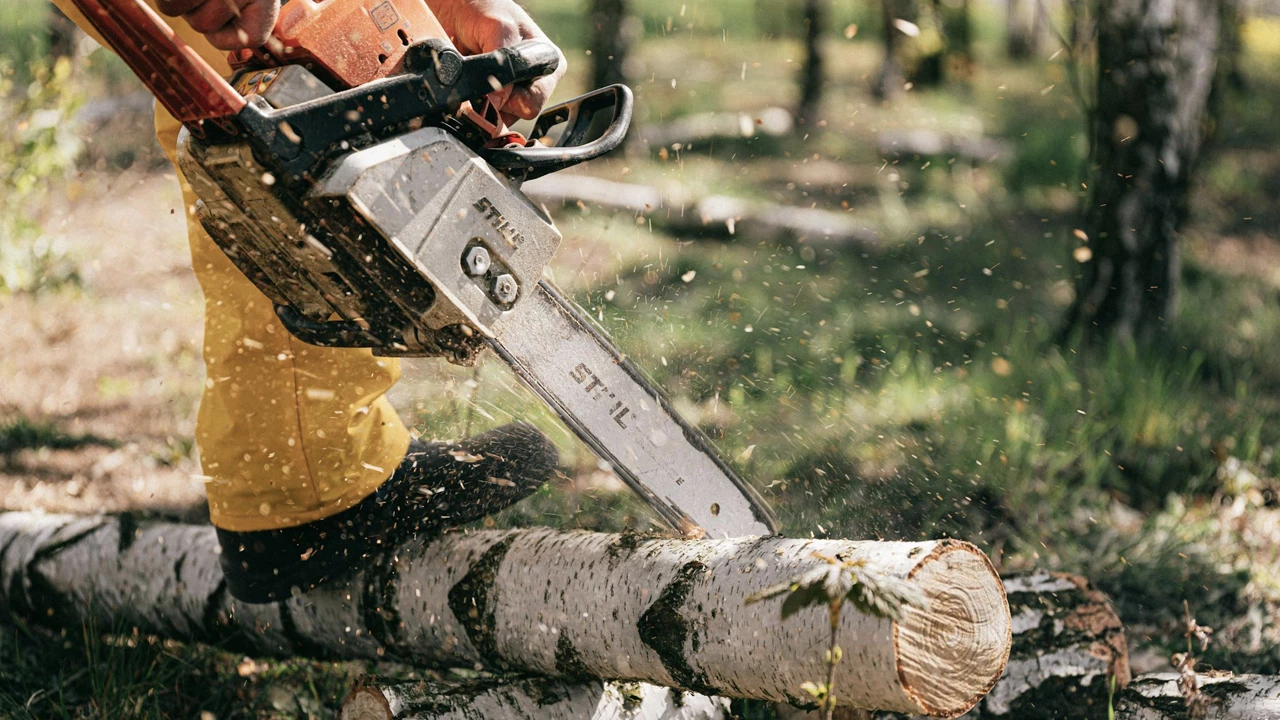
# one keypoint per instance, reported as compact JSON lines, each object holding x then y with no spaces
{"x":191,"y":90}
{"x":594,"y":124}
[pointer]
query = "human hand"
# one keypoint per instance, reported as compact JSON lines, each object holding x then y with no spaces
{"x":481,"y":26}
{"x":227,"y":24}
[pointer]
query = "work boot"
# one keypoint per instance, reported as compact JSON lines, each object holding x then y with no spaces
{"x":437,"y":486}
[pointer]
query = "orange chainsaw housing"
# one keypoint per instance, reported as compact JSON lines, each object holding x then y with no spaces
{"x":351,"y":41}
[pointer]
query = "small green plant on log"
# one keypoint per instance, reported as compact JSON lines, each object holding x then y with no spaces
{"x":841,"y":581}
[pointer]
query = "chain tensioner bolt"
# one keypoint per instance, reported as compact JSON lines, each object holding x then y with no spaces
{"x":477,"y":261}
{"x":505,"y":288}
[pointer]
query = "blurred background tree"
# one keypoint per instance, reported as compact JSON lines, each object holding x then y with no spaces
{"x":1155,"y":73}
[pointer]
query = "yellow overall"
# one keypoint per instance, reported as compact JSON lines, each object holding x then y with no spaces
{"x":288,"y":432}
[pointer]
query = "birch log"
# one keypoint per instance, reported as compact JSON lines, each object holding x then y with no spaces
{"x":1068,"y":644}
{"x":527,"y":699}
{"x":1232,"y":697}
{"x":543,"y":602}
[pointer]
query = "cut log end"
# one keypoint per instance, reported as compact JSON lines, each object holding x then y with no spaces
{"x":952,"y":652}
{"x":366,"y":703}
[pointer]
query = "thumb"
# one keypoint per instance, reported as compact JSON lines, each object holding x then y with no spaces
{"x":251,"y":29}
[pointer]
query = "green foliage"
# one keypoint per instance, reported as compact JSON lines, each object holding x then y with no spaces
{"x":36,"y":155}
{"x":23,"y":33}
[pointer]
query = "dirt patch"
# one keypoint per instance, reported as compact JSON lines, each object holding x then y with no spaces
{"x":116,"y":359}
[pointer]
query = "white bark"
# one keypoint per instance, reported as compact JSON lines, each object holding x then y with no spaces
{"x":534,"y":699}
{"x":568,"y":604}
{"x":1235,"y":697}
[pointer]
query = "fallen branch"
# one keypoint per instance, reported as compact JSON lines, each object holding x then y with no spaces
{"x":926,"y":143}
{"x":704,"y":127}
{"x":528,"y":699}
{"x":568,"y":604}
{"x":710,"y":216}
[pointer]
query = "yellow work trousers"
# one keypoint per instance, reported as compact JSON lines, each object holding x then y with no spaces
{"x":288,"y":433}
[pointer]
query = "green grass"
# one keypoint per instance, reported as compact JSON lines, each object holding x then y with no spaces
{"x":18,"y":432}
{"x":22,"y":30}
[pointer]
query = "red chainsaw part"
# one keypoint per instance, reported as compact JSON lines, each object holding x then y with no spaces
{"x":181,"y":80}
{"x":353,"y":41}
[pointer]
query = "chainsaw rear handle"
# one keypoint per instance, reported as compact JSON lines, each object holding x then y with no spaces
{"x":439,"y":80}
{"x":588,"y":134}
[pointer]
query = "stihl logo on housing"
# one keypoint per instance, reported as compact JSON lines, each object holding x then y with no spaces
{"x":384,"y":16}
{"x":499,"y":223}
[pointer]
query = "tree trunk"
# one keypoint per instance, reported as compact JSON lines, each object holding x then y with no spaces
{"x":526,"y":699}
{"x":930,"y":70}
{"x":892,"y":79}
{"x":1232,"y":697}
{"x":813,"y":72}
{"x":567,"y":604}
{"x":1155,"y":71}
{"x":613,"y":32}
{"x":1022,"y":39}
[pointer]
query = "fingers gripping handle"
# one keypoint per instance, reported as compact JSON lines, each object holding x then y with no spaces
{"x":179,"y":78}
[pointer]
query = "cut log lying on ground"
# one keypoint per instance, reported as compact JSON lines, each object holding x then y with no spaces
{"x":925,"y":143}
{"x":714,"y":215}
{"x":1230,"y":697}
{"x":707,"y":127}
{"x":1068,"y":643}
{"x":568,"y":604}
{"x":527,"y":699}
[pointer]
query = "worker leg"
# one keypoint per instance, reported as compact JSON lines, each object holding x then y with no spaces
{"x":288,"y":433}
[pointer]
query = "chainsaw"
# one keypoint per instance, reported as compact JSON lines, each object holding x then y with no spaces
{"x":354,"y":172}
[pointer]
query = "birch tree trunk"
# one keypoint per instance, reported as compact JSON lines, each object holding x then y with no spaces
{"x":1155,"y":70}
{"x":566,"y":604}
{"x":527,"y":699}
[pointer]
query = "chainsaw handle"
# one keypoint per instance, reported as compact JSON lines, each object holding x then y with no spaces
{"x":478,"y":75}
{"x":582,"y":139}
{"x":181,"y":80}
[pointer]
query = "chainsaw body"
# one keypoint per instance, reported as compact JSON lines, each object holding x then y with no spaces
{"x":353,"y":171}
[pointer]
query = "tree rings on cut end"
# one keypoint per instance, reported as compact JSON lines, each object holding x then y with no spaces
{"x":952,"y":652}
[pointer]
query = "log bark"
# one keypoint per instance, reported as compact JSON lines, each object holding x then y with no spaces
{"x":1068,"y":643}
{"x":1233,"y":697}
{"x":526,"y":699}
{"x":543,"y":602}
